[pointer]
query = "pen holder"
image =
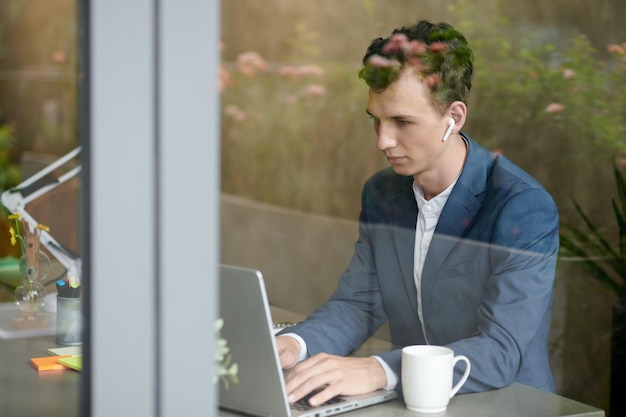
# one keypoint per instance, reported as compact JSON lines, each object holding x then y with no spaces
{"x":69,"y":321}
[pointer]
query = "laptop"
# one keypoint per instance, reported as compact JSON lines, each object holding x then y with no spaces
{"x":248,"y":328}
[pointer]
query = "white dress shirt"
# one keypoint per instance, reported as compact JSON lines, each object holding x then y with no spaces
{"x":427,"y":218}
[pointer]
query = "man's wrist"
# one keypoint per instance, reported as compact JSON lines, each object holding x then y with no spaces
{"x":302,"y":355}
{"x":392,"y":378}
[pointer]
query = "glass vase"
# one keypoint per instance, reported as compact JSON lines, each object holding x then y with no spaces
{"x":30,"y":295}
{"x":41,"y":262}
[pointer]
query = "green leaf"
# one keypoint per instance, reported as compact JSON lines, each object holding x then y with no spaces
{"x":596,"y":233}
{"x":592,"y":265}
{"x":622,"y":239}
{"x":596,"y":255}
{"x":621,"y":189}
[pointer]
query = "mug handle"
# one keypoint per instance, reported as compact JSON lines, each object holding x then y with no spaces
{"x":459,"y":384}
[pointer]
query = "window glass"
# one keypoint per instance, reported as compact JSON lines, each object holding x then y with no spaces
{"x":548,"y":93}
{"x":297,"y":146}
{"x":38,"y":125}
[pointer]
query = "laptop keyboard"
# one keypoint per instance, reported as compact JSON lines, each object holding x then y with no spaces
{"x":303,"y":403}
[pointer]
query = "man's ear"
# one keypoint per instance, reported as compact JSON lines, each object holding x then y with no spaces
{"x":458,"y":111}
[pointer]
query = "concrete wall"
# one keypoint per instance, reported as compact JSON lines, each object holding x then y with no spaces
{"x":300,"y":254}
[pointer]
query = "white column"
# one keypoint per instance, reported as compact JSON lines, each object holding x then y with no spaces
{"x":189,"y":193}
{"x":151,"y":224}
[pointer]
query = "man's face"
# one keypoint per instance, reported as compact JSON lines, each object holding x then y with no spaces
{"x":408,"y":127}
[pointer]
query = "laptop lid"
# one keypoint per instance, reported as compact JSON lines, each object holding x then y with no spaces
{"x":249,"y":331}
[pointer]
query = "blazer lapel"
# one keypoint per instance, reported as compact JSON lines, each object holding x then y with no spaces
{"x":404,"y":219}
{"x":458,"y":213}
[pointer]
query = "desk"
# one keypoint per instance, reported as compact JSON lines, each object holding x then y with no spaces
{"x":516,"y":400}
{"x":24,"y":392}
{"x":512,"y":401}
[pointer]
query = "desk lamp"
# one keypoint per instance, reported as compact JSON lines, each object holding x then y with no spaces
{"x":17,"y":198}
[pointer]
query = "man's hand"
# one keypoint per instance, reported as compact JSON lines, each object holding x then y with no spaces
{"x":288,"y":351}
{"x":339,"y":376}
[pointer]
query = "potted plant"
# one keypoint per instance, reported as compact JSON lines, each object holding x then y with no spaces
{"x":606,"y":262}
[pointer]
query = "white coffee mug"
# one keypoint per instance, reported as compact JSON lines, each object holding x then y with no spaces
{"x":427,"y":377}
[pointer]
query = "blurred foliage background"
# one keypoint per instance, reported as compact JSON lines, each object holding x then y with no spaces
{"x":549,"y":92}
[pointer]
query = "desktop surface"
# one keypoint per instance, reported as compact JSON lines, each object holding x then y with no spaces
{"x":516,"y":400}
{"x":24,"y":392}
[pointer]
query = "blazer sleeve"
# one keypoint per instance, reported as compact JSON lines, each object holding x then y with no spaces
{"x":511,"y":342}
{"x":354,"y":311}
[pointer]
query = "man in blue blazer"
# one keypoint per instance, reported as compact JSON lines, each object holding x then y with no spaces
{"x":457,"y":246}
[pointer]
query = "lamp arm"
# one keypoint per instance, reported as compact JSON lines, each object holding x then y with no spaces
{"x":49,"y":168}
{"x":16,"y":203}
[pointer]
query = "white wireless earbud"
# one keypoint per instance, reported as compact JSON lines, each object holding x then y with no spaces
{"x":449,"y":130}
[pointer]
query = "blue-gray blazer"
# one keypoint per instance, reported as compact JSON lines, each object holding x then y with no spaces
{"x":487,"y":282}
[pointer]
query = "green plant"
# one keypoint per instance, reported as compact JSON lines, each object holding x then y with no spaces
{"x":295,"y":133}
{"x":9,"y":172}
{"x":589,"y":245}
{"x":9,"y":177}
{"x":226,"y":371}
{"x":542,"y":86}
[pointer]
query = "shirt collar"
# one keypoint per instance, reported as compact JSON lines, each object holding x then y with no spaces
{"x":437,"y":202}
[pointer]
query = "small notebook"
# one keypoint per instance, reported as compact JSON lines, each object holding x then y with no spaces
{"x":65,"y":351}
{"x":49,"y":363}
{"x":74,"y":362}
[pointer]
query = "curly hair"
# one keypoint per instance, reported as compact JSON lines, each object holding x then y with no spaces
{"x":437,"y":52}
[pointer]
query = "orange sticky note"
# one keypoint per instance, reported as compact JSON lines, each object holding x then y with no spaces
{"x":49,"y":363}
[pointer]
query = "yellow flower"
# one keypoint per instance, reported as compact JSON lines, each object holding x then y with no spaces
{"x":13,"y":241}
{"x":15,"y":216}
{"x":43,"y":227}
